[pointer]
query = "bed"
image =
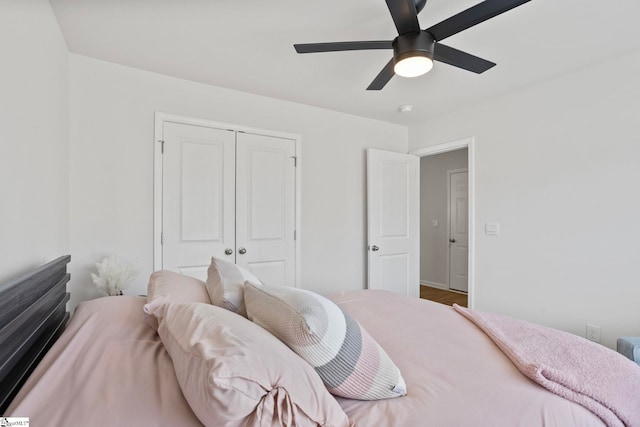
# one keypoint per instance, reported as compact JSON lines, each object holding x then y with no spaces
{"x":114,"y":366}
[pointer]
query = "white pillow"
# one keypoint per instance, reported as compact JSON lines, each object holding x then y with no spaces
{"x":349,"y":361}
{"x":225,"y":285}
{"x":234,"y":373}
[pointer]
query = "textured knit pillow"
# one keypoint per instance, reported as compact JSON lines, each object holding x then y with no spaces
{"x":234,"y":373}
{"x":225,"y":285}
{"x":349,"y":361}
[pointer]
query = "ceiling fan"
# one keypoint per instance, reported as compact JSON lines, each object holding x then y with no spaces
{"x":414,"y":50}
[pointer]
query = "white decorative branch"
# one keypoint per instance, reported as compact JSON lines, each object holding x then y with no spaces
{"x":114,"y":275}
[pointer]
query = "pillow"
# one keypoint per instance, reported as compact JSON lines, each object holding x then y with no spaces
{"x":225,"y":285}
{"x":346,"y":357}
{"x":234,"y":373}
{"x":168,"y":286}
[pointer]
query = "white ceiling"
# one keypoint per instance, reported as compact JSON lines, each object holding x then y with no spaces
{"x":247,"y":45}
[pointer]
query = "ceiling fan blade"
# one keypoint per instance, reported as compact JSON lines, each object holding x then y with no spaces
{"x":460,"y":59}
{"x":383,"y":77}
{"x":404,"y":15}
{"x":472,"y":16}
{"x":340,"y":46}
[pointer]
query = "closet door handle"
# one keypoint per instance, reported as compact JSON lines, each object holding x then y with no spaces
{"x":228,"y":251}
{"x":242,"y":251}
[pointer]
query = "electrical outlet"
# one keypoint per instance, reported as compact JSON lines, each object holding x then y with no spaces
{"x":593,"y":332}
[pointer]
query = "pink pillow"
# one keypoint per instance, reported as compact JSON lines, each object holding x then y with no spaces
{"x":168,"y":286}
{"x":349,"y":361}
{"x":234,"y":373}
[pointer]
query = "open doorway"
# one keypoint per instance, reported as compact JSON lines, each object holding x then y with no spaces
{"x":446,"y":222}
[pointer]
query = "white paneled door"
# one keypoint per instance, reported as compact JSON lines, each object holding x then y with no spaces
{"x":458,"y":230}
{"x":198,"y":197}
{"x":393,"y":194}
{"x":265,"y":206}
{"x":231,"y":195}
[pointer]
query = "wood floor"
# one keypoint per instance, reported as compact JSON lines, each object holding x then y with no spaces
{"x":443,"y":296}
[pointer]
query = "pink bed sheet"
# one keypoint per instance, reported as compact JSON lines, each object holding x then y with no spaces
{"x":108,"y":368}
{"x":455,"y":375}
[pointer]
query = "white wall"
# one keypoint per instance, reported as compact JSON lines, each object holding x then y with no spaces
{"x":34,"y":150}
{"x":434,"y":193}
{"x":111,"y":137}
{"x":558,"y":166}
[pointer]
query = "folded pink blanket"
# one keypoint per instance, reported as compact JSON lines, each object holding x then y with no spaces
{"x":601,"y":380}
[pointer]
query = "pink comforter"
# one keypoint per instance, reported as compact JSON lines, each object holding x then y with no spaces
{"x":455,"y":375}
{"x":109,"y":368}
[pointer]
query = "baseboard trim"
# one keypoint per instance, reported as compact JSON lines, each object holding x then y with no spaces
{"x":442,"y":287}
{"x":434,"y":285}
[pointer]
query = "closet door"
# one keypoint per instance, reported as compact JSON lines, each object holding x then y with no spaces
{"x":265,"y":207}
{"x":198,"y":212}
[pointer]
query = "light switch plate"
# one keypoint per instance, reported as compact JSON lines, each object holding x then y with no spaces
{"x":492,"y":228}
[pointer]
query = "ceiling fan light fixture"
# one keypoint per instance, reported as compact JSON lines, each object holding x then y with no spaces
{"x":413,"y":66}
{"x":413,"y":54}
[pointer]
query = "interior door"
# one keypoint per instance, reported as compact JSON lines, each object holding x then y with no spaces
{"x":198,"y":197}
{"x":393,"y":196}
{"x":458,"y":230}
{"x":265,"y":207}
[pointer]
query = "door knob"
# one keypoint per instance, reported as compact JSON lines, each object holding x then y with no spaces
{"x":242,"y":251}
{"x":452,"y":240}
{"x":374,"y":248}
{"x":228,"y":251}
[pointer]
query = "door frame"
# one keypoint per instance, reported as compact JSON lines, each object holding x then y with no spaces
{"x":159,"y":119}
{"x":469,"y":144}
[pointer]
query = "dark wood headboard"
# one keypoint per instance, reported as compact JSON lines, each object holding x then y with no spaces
{"x":32,"y":316}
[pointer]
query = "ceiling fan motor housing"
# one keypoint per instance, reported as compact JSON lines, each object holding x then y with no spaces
{"x":420,"y":4}
{"x":413,"y":44}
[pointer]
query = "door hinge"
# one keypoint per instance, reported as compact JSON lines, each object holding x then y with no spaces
{"x":162,"y":238}
{"x":161,"y":146}
{"x":295,"y":161}
{"x":295,"y":234}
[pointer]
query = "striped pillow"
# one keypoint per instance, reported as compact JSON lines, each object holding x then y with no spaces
{"x":225,"y":285}
{"x":349,"y":361}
